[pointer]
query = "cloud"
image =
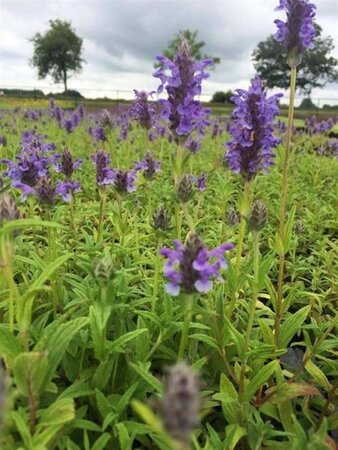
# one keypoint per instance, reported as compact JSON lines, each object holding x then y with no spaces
{"x":122,"y":38}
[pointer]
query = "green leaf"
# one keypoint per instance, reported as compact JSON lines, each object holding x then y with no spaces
{"x":209,"y":340}
{"x":317,"y":374}
{"x":146,"y":414}
{"x":233,"y":434}
{"x":292,"y":324}
{"x":10,"y":345}
{"x":24,"y":307}
{"x":121,"y":341}
{"x":24,"y":223}
{"x":228,"y":397}
{"x":259,"y":379}
{"x":286,"y":391}
{"x":143,"y":370}
{"x":124,"y":437}
{"x":101,"y":442}
{"x":52,"y":420}
{"x":29,"y":372}
{"x":55,"y":341}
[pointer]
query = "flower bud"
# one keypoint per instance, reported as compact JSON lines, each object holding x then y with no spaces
{"x":8,"y":208}
{"x":181,"y":402}
{"x":258,"y":216}
{"x":299,"y":227}
{"x":104,"y":270}
{"x":161,"y":220}
{"x":185,"y":189}
{"x":232,"y":217}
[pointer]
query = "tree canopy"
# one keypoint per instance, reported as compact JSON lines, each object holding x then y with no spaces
{"x":57,"y":52}
{"x":316,"y":69}
{"x":195,"y":45}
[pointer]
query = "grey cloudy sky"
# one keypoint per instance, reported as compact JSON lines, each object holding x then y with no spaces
{"x":122,"y":38}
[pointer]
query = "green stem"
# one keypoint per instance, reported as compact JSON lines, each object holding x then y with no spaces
{"x":156,"y":276}
{"x":6,"y":265}
{"x":178,"y":219}
{"x":283,"y":198}
{"x":252,"y":309}
{"x":186,"y":326}
{"x":244,"y":212}
{"x":101,"y":214}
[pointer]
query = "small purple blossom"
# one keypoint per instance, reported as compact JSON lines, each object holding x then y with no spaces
{"x":252,"y":127}
{"x":67,"y":189}
{"x":142,"y":110}
{"x":98,"y":134}
{"x":67,"y":164}
{"x":182,"y":78}
{"x":149,"y":165}
{"x":201,"y":182}
{"x":124,"y":181}
{"x":193,"y":267}
{"x":298,"y":32}
{"x":194,"y":145}
{"x":104,"y":174}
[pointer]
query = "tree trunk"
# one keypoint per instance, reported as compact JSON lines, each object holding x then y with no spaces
{"x":65,"y":80}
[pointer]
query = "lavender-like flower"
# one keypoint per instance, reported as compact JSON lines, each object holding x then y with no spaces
{"x":192,"y":267}
{"x":201,"y":182}
{"x":298,"y":32}
{"x":104,"y":174}
{"x":32,"y":163}
{"x":45,"y":191}
{"x":98,"y":134}
{"x":124,"y":181}
{"x":149,"y":165}
{"x":193,"y":144}
{"x":142,"y":110}
{"x":67,"y":164}
{"x":182,"y":78}
{"x":181,"y":402}
{"x":252,"y":129}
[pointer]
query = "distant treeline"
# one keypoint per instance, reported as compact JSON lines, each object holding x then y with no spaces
{"x":36,"y":93}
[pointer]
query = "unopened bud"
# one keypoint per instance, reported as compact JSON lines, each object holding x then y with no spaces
{"x":161,"y":220}
{"x":258,"y":216}
{"x":181,"y":403}
{"x":104,"y":270}
{"x":185,"y":189}
{"x":232,"y":217}
{"x":8,"y":208}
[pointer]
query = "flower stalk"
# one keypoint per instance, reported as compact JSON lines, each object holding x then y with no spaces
{"x":283,"y":201}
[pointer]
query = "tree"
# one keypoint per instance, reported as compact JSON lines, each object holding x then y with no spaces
{"x":222,"y":97}
{"x":316,"y":69}
{"x":57,"y":52}
{"x":195,"y":45}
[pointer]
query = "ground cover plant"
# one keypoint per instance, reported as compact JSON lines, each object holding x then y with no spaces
{"x":168,"y":279}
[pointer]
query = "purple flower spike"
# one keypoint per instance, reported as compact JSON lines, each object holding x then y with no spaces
{"x":192,"y":267}
{"x":142,"y":110}
{"x":182,"y":78}
{"x":298,"y":32}
{"x":252,"y":130}
{"x":104,"y":175}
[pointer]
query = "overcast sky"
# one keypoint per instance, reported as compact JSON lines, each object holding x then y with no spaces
{"x":122,"y":37}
